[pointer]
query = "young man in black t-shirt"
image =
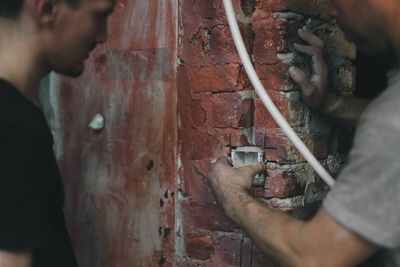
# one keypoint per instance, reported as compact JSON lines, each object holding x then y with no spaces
{"x":36,"y":37}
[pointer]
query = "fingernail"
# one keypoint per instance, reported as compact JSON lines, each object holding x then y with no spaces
{"x":292,"y":70}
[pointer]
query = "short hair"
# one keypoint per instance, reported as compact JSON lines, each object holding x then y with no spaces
{"x":12,"y":8}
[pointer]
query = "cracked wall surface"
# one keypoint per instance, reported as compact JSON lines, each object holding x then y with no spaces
{"x":218,"y":111}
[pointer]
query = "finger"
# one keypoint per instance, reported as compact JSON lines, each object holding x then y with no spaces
{"x":306,"y":49}
{"x":307,"y":35}
{"x":299,"y":77}
{"x":223,"y":160}
{"x":226,"y":159}
{"x":307,"y":88}
{"x":254,"y":169}
{"x":317,"y":57}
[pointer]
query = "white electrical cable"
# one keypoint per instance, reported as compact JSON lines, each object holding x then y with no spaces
{"x":267,"y":100}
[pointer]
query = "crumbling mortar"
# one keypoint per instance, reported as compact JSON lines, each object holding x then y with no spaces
{"x":297,"y":201}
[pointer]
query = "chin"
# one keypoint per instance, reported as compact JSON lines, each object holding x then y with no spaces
{"x":72,"y":72}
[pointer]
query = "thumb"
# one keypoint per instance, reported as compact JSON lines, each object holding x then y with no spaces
{"x":254,"y":169}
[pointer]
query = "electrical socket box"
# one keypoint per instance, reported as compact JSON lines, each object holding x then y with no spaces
{"x":248,"y":155}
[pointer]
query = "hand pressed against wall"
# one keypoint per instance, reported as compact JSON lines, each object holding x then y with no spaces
{"x":316,"y":90}
{"x":230,"y":185}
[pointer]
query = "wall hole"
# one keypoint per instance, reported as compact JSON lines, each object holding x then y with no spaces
{"x":150,"y":166}
{"x":162,"y":260}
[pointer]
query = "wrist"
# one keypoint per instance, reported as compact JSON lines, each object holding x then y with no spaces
{"x":330,"y":104}
{"x":237,"y":207}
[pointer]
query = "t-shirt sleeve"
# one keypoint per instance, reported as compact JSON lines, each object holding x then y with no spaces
{"x":366,"y":197}
{"x":25,"y":196}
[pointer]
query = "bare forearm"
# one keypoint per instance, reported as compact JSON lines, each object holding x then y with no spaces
{"x":15,"y":259}
{"x":292,"y":242}
{"x":319,"y":242}
{"x":274,"y":233}
{"x":345,"y":109}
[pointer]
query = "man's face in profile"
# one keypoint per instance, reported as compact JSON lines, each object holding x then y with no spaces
{"x":362,"y":22}
{"x":76,"y":33}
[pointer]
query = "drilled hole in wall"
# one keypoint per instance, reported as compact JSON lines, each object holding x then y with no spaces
{"x":150,"y":166}
{"x":162,"y":260}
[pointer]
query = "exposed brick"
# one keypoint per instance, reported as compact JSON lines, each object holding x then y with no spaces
{"x":262,"y":118}
{"x":303,"y":213}
{"x":208,"y":144}
{"x":227,"y":249}
{"x":247,"y":250}
{"x":267,"y":40}
{"x":208,"y":217}
{"x":312,"y":8}
{"x":237,"y":139}
{"x":260,"y":137}
{"x":217,"y":113}
{"x":198,"y":246}
{"x":285,"y":150}
{"x":197,"y":188}
{"x":212,"y":78}
{"x":273,"y":77}
{"x":196,"y":113}
{"x":222,"y":47}
{"x":237,"y":112}
{"x":281,"y":184}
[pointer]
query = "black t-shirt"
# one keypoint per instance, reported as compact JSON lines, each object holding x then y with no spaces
{"x":31,"y":190}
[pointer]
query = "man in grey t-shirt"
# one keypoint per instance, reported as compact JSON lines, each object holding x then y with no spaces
{"x":360,"y":216}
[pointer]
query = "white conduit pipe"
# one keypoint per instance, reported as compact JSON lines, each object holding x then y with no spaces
{"x":267,"y":100}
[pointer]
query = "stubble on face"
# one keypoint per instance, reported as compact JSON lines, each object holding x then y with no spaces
{"x":363,"y":24}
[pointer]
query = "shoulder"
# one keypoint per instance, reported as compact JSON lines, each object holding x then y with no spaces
{"x":18,"y":115}
{"x":385,"y":109}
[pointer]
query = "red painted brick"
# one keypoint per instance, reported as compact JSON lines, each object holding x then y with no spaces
{"x":198,"y":246}
{"x":226,"y":110}
{"x":260,"y":137}
{"x":222,"y":48}
{"x":289,"y":32}
{"x":203,"y":216}
{"x":247,"y":251}
{"x":262,"y":118}
{"x":267,"y":40}
{"x":195,"y":183}
{"x":273,"y":77}
{"x":207,"y":144}
{"x":227,"y":249}
{"x":210,"y":78}
{"x":196,"y":113}
{"x":237,"y":139}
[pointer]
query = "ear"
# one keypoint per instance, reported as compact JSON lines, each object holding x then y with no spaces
{"x":46,"y":11}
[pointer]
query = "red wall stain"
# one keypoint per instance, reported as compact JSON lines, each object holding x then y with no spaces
{"x":120,"y":181}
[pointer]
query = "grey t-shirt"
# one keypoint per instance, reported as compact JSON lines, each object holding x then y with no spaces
{"x":366,"y":197}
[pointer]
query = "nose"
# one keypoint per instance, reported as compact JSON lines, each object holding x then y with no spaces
{"x":332,"y":11}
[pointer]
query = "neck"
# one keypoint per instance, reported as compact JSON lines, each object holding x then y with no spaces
{"x":19,"y":56}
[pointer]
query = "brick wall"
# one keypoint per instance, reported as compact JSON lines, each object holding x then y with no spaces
{"x":218,"y":111}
